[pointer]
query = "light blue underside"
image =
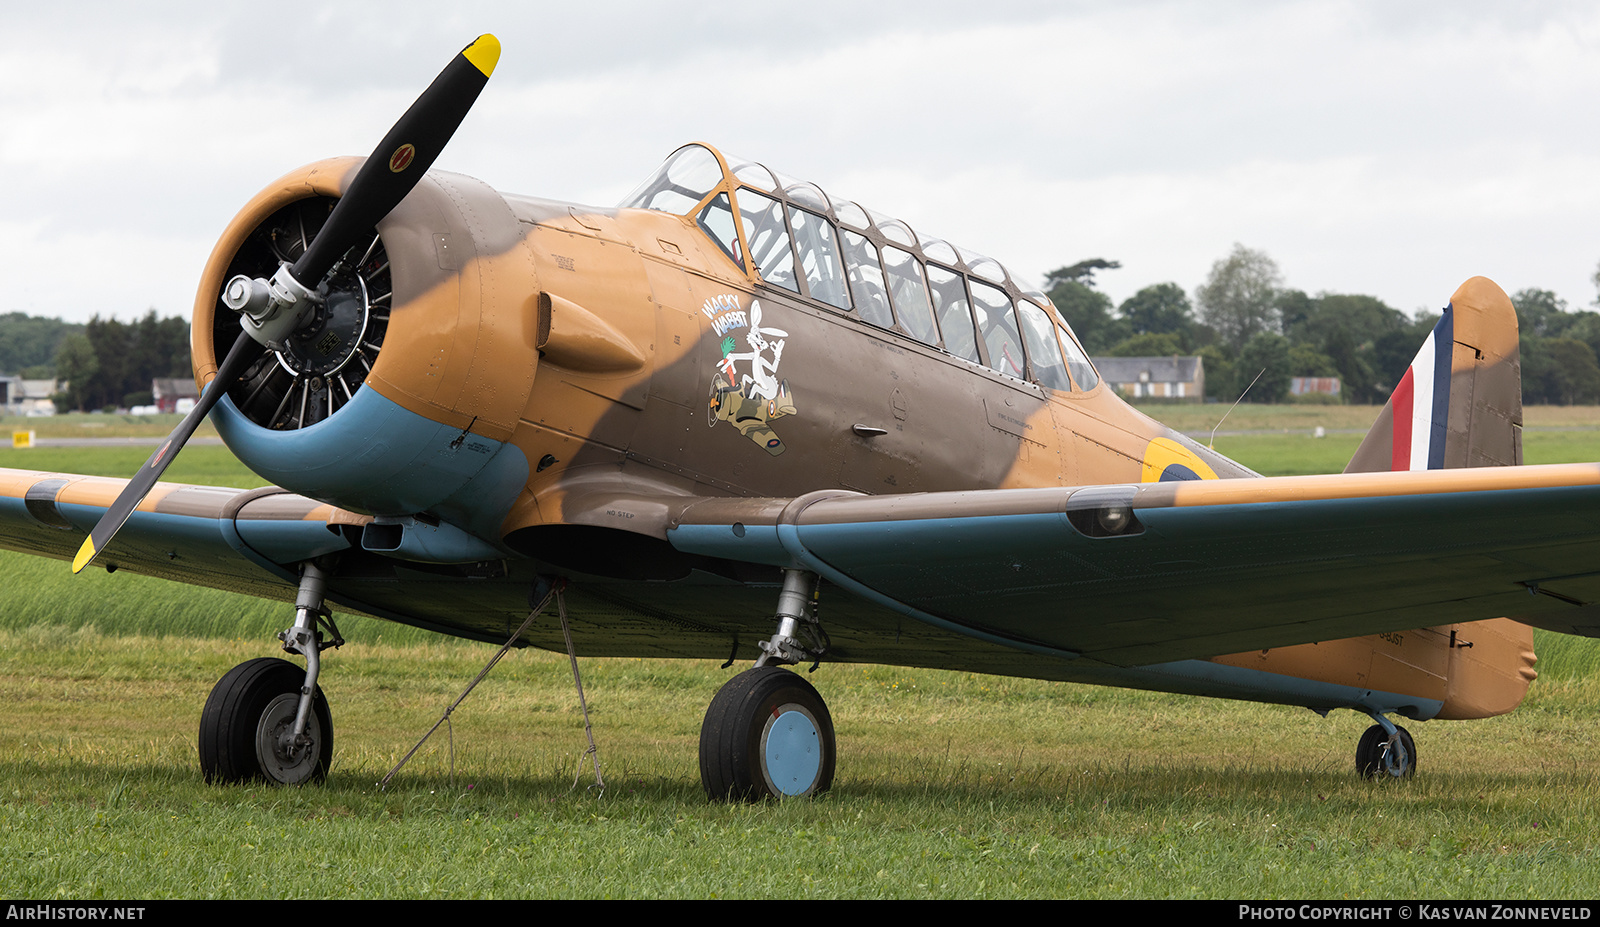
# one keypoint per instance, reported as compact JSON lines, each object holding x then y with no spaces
{"x":377,"y":457}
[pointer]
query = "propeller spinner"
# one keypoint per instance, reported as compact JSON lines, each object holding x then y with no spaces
{"x":271,"y":310}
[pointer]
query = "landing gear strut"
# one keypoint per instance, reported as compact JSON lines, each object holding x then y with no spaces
{"x":1386,"y":751}
{"x":768,"y":733}
{"x":267,"y":718}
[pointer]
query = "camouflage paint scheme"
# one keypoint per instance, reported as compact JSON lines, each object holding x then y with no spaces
{"x":602,"y":394}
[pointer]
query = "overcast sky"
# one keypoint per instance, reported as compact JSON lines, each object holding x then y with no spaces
{"x":1378,"y":148}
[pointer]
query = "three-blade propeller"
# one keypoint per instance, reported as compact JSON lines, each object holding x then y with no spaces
{"x":270,"y":311}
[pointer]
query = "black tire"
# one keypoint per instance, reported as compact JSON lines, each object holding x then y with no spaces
{"x":767,"y":734}
{"x":1372,"y":752}
{"x":231,"y":732}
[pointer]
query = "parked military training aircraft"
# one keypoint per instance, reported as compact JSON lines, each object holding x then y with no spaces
{"x":736,"y":393}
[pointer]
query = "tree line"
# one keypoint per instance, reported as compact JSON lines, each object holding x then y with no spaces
{"x":28,"y":344}
{"x":106,"y":363}
{"x":1245,"y":322}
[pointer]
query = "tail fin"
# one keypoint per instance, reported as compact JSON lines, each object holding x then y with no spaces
{"x":1460,"y":402}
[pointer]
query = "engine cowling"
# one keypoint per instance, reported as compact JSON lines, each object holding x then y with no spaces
{"x":402,"y":396}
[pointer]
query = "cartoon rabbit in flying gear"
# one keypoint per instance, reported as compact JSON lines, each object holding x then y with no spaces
{"x":760,"y":396}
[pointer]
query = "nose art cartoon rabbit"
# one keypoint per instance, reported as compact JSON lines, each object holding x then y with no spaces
{"x":760,"y":396}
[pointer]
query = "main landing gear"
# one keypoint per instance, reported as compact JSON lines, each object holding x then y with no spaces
{"x":768,"y":733}
{"x":1386,"y":751}
{"x":267,"y":718}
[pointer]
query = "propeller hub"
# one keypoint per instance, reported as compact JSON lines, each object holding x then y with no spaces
{"x":328,"y":339}
{"x":269,"y":311}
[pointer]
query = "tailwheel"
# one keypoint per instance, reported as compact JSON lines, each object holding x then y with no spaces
{"x":1380,"y":755}
{"x":247,"y":727}
{"x":767,"y":734}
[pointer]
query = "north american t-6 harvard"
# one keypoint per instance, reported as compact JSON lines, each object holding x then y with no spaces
{"x":734,"y":398}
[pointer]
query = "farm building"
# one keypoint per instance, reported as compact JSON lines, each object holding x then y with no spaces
{"x":169,"y":393}
{"x":28,"y":397}
{"x":1175,"y":377}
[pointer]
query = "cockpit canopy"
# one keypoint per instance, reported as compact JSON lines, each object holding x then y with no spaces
{"x":790,"y":234}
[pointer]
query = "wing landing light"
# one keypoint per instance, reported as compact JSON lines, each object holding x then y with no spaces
{"x":272,"y":310}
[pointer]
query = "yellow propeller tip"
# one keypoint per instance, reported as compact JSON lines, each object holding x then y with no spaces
{"x":85,"y":554}
{"x":484,"y":53}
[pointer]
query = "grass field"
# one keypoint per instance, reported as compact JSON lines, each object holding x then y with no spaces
{"x":949,"y":784}
{"x":1200,"y":419}
{"x":100,"y":425}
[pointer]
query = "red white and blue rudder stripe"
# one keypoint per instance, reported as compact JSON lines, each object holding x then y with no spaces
{"x":1421,"y":402}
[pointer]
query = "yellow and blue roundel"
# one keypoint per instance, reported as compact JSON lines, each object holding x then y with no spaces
{"x":1166,"y":460}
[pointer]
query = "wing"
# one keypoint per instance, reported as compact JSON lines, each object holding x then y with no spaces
{"x":1142,"y":574}
{"x":1030,"y":579}
{"x":247,"y":541}
{"x":207,"y":535}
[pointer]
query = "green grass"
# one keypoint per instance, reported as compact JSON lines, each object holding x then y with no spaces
{"x":203,"y":464}
{"x":1193,"y":418}
{"x":1549,"y":447}
{"x":949,"y":784}
{"x":1299,"y":454}
{"x":1289,"y":454}
{"x":98,"y":425}
{"x":1296,"y":452}
{"x":42,"y":592}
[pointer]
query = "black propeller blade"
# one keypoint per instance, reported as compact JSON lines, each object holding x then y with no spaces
{"x":400,"y":160}
{"x":393,"y":169}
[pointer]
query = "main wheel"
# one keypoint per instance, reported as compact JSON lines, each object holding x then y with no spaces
{"x":767,"y":734}
{"x":244,"y":729}
{"x":1378,"y":756}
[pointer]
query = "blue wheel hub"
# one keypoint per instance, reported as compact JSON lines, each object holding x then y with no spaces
{"x":791,"y":751}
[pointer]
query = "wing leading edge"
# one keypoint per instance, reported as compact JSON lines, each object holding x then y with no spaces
{"x":1200,"y":568}
{"x":247,"y":541}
